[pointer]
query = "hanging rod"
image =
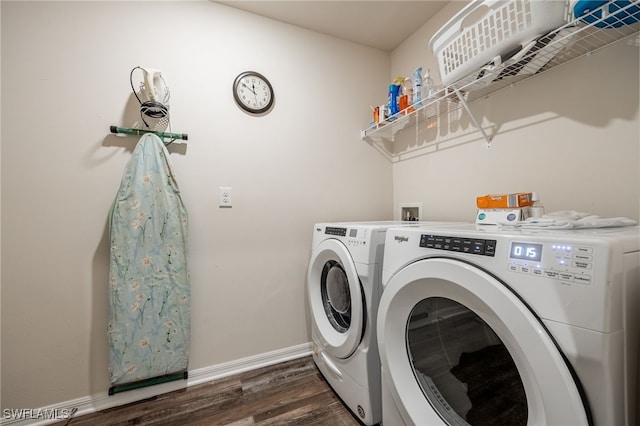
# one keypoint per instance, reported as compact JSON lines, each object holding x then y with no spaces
{"x":128,"y":131}
{"x":148,"y":382}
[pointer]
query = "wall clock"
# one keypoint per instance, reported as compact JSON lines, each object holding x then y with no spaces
{"x":253,"y":92}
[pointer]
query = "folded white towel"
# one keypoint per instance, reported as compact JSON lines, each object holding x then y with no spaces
{"x":571,"y":219}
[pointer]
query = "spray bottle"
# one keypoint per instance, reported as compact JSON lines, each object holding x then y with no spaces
{"x":428,"y":88}
{"x":417,"y":87}
{"x":428,"y":93}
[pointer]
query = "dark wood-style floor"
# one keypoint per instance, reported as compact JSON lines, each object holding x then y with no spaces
{"x":290,"y":393}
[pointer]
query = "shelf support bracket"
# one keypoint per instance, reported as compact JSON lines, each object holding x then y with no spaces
{"x":473,"y":118}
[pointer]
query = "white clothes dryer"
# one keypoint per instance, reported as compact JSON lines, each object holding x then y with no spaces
{"x":485,"y":325}
{"x":343,"y":289}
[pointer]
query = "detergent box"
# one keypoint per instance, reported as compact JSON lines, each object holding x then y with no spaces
{"x":502,"y":216}
{"x":504,"y":201}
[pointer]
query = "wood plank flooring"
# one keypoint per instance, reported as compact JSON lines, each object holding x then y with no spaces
{"x":290,"y":393}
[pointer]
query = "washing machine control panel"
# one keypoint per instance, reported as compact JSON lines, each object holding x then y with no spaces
{"x":353,"y":237}
{"x":567,"y":263}
{"x":460,"y":244}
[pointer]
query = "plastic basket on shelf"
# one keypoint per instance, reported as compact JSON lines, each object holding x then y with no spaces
{"x":487,"y":31}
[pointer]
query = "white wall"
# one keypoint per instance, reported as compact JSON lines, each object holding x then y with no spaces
{"x":65,"y":80}
{"x":571,"y":134}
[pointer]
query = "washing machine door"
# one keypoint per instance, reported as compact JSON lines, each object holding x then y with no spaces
{"x":458,"y":347}
{"x":336,"y":298}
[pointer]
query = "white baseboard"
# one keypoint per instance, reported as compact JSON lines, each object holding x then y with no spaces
{"x":102,"y":401}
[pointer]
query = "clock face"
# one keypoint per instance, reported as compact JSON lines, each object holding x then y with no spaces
{"x":253,"y":92}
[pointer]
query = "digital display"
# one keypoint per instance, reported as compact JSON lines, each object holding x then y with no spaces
{"x":526,"y":251}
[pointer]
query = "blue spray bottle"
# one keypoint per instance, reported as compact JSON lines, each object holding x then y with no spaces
{"x":417,"y":87}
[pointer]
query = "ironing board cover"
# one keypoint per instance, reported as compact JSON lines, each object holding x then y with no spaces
{"x":149,"y":291}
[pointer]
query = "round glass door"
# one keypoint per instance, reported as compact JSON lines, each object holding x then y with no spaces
{"x":335,"y":298}
{"x":458,"y":347}
{"x":462,"y":366}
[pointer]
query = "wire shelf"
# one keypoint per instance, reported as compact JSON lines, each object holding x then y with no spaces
{"x":571,"y":41}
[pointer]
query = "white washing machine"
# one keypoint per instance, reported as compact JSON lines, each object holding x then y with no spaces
{"x":482,"y":325}
{"x":344,"y":283}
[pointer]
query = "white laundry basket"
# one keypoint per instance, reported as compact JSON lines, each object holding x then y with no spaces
{"x":492,"y":30}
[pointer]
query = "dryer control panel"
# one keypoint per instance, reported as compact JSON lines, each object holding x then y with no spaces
{"x":460,"y":244}
{"x":557,"y":261}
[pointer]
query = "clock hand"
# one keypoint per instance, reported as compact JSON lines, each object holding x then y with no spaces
{"x":252,"y":89}
{"x":254,"y":92}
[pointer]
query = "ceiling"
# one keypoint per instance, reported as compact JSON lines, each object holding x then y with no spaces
{"x":379,"y":24}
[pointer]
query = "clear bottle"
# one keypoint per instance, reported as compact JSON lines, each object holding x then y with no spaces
{"x":407,"y":89}
{"x":536,"y":210}
{"x":417,"y":87}
{"x":428,"y":94}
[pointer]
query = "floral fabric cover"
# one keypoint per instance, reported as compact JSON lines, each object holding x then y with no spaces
{"x":149,"y":289}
